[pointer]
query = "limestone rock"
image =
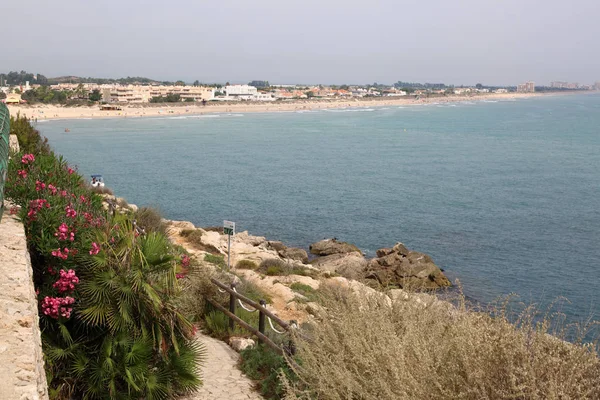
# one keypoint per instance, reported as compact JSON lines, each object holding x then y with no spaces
{"x":406,"y":269}
{"x":182,"y":225}
{"x":332,"y":246}
{"x":350,"y":265}
{"x":276,"y":245}
{"x":294,"y":253}
{"x":249,"y":239}
{"x":239,"y":343}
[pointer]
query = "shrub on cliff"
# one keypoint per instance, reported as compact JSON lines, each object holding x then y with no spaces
{"x":107,"y":295}
{"x":30,"y":140}
{"x":367,"y":348}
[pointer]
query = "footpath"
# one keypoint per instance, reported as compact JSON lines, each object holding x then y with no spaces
{"x":222,"y":378}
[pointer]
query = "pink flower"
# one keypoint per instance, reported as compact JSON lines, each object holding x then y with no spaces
{"x":62,"y":254}
{"x":67,"y":281}
{"x":71,"y":213}
{"x":52,"y":189}
{"x":27,"y":159}
{"x":180,"y":276}
{"x":39,"y":186}
{"x":14,"y":210}
{"x":185,"y":260}
{"x":70,"y":170}
{"x":22,"y":173}
{"x":63,"y":193}
{"x":95,"y":249}
{"x":82,"y":199}
{"x":56,"y":307}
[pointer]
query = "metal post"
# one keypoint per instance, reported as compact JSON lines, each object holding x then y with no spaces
{"x":229,"y":252}
{"x":261,"y":318}
{"x":232,"y":308}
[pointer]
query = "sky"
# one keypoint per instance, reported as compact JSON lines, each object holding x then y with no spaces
{"x":494,"y":42}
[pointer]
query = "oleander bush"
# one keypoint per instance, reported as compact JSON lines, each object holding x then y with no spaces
{"x":369,"y":348}
{"x":261,"y":364}
{"x":108,"y":296}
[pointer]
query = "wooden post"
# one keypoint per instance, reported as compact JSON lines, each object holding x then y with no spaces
{"x":261,"y":318}
{"x":232,"y":308}
{"x":292,"y":346}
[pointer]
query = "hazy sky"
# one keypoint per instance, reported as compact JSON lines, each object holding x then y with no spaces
{"x":306,"y":41}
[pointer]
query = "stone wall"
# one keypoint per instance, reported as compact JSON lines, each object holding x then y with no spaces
{"x":22,"y":374}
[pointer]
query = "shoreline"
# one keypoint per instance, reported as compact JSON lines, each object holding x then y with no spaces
{"x":47,"y":112}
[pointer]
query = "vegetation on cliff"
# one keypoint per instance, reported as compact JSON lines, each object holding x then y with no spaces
{"x":108,"y":293}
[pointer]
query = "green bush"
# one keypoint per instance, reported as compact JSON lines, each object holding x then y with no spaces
{"x":262,"y":364}
{"x":219,"y":260}
{"x":273,"y":267}
{"x":304,"y":290}
{"x":246,"y":264}
{"x":30,"y":140}
{"x":217,"y":324}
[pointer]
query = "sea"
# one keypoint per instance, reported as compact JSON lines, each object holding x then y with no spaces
{"x":504,"y":195}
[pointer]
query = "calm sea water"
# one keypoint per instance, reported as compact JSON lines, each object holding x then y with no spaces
{"x":504,"y":195}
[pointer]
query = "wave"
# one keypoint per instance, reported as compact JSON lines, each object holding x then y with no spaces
{"x":207,"y":116}
{"x":343,"y":110}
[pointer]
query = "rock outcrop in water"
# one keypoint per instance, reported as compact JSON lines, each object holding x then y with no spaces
{"x":406,"y":269}
{"x":328,"y":247}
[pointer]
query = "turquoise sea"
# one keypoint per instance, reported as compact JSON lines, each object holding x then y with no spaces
{"x":505,"y":196}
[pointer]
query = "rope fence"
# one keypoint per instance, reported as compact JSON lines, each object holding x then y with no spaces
{"x":236,"y":298}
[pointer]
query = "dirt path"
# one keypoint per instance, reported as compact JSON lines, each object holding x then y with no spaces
{"x":222,"y":378}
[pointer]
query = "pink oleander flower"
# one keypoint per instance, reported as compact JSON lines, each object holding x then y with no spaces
{"x":63,"y":193}
{"x":56,"y":307}
{"x":14,"y":210}
{"x":39,"y":186}
{"x":52,"y":189}
{"x":27,"y":159}
{"x":51,"y":271}
{"x":185,"y":260}
{"x":22,"y":173}
{"x":82,"y":199}
{"x":70,"y":170}
{"x":95,"y":249}
{"x":62,"y":254}
{"x":66,"y":282}
{"x":179,"y":276}
{"x":71,"y":213}
{"x":88,"y":217}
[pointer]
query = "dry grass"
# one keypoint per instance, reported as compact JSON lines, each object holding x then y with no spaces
{"x":369,"y":348}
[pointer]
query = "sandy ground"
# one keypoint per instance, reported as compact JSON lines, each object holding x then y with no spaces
{"x":47,"y":112}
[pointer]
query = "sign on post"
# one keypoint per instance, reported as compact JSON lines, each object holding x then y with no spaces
{"x":228,"y":228}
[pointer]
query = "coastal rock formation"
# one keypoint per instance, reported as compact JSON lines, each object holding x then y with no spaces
{"x":328,"y":247}
{"x":350,"y":265}
{"x":406,"y":269}
{"x":294,"y":253}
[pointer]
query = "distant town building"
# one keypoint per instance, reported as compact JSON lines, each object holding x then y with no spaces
{"x":240,"y":92}
{"x":597,"y":85}
{"x":501,"y":90}
{"x":527,"y":87}
{"x":564,"y":85}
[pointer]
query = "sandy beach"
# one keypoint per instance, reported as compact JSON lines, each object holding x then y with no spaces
{"x":49,"y":112}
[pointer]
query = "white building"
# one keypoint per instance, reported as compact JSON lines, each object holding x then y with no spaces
{"x":242,"y":92}
{"x":500,"y":91}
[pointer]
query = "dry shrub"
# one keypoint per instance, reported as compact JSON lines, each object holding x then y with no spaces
{"x":150,"y":219}
{"x":214,"y":229}
{"x":196,"y":288}
{"x":371,"y":348}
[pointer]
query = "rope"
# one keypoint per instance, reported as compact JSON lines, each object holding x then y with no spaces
{"x":272,"y":327}
{"x":221,"y":290}
{"x":242,"y":304}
